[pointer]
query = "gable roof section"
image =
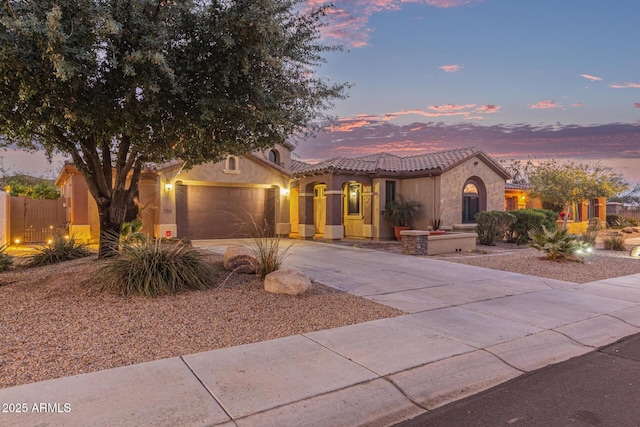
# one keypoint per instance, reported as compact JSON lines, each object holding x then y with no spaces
{"x":384,"y":163}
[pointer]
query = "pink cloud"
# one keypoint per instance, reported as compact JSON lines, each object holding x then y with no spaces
{"x":348,"y":125}
{"x":577,"y":104}
{"x":592,"y":78}
{"x":549,"y":103}
{"x":489,"y":108}
{"x":451,"y":68}
{"x":450,"y":107}
{"x":626,"y":86}
{"x":636,"y":104}
{"x":347,"y":19}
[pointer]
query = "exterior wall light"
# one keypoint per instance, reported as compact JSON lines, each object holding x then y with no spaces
{"x":168,"y":186}
{"x":17,"y":241}
{"x":284,"y":191}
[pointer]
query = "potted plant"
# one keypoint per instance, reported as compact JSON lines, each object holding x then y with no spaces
{"x":400,"y":213}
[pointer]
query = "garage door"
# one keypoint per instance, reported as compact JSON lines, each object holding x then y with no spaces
{"x":222,"y":212}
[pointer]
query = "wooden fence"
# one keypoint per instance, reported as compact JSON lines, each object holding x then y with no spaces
{"x":35,"y":221}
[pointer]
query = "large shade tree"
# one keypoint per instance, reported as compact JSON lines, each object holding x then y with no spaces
{"x":116,"y":84}
{"x":569,"y":183}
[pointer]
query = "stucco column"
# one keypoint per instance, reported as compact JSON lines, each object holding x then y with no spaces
{"x":306,"y":228}
{"x":334,"y":230}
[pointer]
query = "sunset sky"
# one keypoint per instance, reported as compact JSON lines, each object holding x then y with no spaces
{"x":517,"y":78}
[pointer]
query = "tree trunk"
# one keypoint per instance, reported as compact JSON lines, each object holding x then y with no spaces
{"x":111,"y":219}
{"x":566,"y":215}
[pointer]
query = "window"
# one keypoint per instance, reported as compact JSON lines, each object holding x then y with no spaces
{"x":274,"y":157}
{"x":354,"y":192}
{"x":470,"y":202}
{"x":390,"y":192}
{"x":231,"y":165}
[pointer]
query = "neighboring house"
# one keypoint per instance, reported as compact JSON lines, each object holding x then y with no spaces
{"x":516,"y":197}
{"x":345,"y":197}
{"x":341,"y":197}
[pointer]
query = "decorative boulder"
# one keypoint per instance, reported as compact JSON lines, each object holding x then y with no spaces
{"x":627,"y":230}
{"x":287,"y":281}
{"x":636,"y":229}
{"x":240,"y":259}
{"x":635,"y":252}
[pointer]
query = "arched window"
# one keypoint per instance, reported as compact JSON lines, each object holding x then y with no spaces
{"x":473,"y":200}
{"x":274,"y":157}
{"x":231,"y":165}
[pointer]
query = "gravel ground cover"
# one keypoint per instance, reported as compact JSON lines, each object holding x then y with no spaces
{"x":53,"y":324}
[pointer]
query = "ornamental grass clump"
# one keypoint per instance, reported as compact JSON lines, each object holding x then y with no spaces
{"x":614,"y":242}
{"x":152,"y":269}
{"x":558,"y":244}
{"x":59,"y":250}
{"x":6,"y":260}
{"x":267,"y":250}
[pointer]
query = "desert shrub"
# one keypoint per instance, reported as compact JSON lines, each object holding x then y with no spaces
{"x":152,"y":269}
{"x":614,"y":242}
{"x":612,"y":219}
{"x":492,"y":226}
{"x":589,"y":237}
{"x":558,"y":243}
{"x":267,"y":249}
{"x":529,"y":219}
{"x":59,"y":250}
{"x":626,"y":222}
{"x":5,"y":259}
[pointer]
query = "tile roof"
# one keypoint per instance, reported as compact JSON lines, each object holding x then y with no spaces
{"x":437,"y":162}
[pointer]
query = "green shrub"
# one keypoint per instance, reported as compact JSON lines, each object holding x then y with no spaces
{"x":493,"y":225}
{"x":152,"y":269}
{"x":61,"y":249}
{"x":558,"y":243}
{"x":529,"y":219}
{"x":131,"y":233}
{"x":6,"y":260}
{"x":614,"y":242}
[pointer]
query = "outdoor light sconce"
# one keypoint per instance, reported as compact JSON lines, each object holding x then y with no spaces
{"x":168,"y":186}
{"x":284,"y":191}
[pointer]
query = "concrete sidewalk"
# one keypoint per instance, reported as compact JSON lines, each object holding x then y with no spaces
{"x":468,"y":329}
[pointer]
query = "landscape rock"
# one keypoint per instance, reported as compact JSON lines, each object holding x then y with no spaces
{"x":627,"y":230}
{"x":287,"y":281}
{"x":240,"y":260}
{"x":636,"y":229}
{"x":635,"y":252}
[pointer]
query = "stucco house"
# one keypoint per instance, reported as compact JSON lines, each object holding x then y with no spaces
{"x":337,"y":198}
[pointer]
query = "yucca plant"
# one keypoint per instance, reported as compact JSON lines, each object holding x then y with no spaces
{"x":152,"y":269}
{"x":60,"y":249}
{"x":614,"y":242}
{"x":558,"y":244}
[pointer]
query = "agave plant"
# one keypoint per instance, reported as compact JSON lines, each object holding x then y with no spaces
{"x":558,"y":244}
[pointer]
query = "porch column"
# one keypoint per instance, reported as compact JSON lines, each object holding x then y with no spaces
{"x":306,"y":227}
{"x":334,"y":230}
